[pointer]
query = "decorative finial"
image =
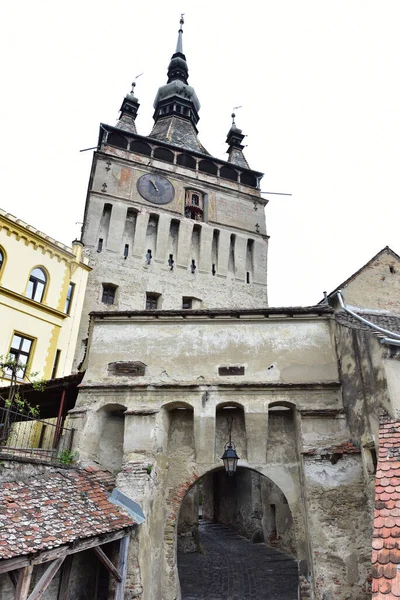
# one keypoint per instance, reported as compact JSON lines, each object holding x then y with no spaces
{"x":233,"y":115}
{"x":180,"y":32}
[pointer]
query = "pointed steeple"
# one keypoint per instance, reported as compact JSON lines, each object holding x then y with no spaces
{"x":176,"y":105}
{"x":128,"y":111}
{"x":234,"y":140}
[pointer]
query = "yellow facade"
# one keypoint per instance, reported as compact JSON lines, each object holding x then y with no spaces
{"x":33,"y":314}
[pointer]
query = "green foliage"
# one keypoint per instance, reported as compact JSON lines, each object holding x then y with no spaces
{"x":15,"y":401}
{"x":149,"y":469}
{"x":66,"y":457}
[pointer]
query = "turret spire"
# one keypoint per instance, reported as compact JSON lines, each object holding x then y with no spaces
{"x":234,"y":140}
{"x":129,"y":109}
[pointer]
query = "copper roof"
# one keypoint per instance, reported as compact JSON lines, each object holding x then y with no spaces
{"x":386,"y":536}
{"x":56,"y":507}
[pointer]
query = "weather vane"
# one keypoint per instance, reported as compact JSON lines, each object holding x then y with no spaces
{"x":233,"y":115}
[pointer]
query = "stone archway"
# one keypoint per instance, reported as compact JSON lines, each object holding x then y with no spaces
{"x":244,"y":542}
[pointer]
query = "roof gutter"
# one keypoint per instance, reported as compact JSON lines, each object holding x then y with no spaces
{"x":385,"y":340}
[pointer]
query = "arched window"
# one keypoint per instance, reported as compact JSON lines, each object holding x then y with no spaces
{"x":1,"y":258}
{"x":36,"y":284}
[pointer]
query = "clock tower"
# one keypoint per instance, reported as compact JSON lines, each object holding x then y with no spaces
{"x":168,"y":226}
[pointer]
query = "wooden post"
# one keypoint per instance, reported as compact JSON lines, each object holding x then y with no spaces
{"x":122,"y":567}
{"x":46,"y":579}
{"x":24,"y":580}
{"x":64,"y":580}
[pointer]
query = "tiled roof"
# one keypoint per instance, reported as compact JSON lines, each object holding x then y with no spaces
{"x":386,"y":537}
{"x":386,"y":321}
{"x":56,"y":507}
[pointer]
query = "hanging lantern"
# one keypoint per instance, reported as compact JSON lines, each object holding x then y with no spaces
{"x":229,"y":457}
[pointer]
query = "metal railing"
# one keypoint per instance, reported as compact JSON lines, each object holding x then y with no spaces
{"x":24,"y":437}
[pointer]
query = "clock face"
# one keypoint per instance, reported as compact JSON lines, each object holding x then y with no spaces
{"x":155,"y":188}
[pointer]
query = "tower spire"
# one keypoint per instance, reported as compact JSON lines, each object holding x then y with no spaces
{"x":176,"y":106}
{"x":180,"y":32}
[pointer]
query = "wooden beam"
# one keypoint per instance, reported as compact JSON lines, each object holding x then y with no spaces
{"x":24,"y":580}
{"x":13,"y":563}
{"x":122,"y":567}
{"x":45,"y":579}
{"x":64,"y":580}
{"x":107,"y":563}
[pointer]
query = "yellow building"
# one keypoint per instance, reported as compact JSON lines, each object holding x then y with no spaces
{"x":42,"y":287}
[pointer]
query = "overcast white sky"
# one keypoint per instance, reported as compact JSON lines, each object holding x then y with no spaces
{"x":319,"y":85}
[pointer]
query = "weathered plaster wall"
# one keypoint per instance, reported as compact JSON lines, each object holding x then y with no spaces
{"x":341,"y":527}
{"x":377,"y":285}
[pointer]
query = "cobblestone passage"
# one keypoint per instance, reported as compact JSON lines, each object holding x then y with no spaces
{"x":232,"y":568}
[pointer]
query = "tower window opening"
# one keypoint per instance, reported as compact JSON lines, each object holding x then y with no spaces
{"x":126,"y":251}
{"x":187,"y":302}
{"x":213,"y":270}
{"x":108,"y":296}
{"x":152,"y":301}
{"x":171,"y":261}
{"x":247,"y":277}
{"x":148,"y":256}
{"x":196,"y":201}
{"x":392,"y":269}
{"x":193,"y":267}
{"x":100,"y":245}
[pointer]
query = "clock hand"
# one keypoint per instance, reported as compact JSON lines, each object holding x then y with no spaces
{"x":155,"y":187}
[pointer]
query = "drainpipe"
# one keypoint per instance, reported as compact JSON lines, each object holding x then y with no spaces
{"x":384,"y":340}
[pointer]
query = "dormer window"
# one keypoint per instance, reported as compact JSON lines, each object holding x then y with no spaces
{"x":194,"y":205}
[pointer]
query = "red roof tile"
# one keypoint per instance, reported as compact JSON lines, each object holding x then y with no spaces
{"x":56,"y":507}
{"x":386,"y":536}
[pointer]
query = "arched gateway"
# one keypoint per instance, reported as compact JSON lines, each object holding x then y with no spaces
{"x":235,"y":534}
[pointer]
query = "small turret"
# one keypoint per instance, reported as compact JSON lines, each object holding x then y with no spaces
{"x":129,"y":110}
{"x":234,"y":140}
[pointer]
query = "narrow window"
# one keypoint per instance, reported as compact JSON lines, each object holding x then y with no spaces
{"x":391,"y":269}
{"x":1,"y":259}
{"x":100,"y":245}
{"x":68,"y":300}
{"x":152,"y":301}
{"x":108,"y":296}
{"x":20,"y":352}
{"x":195,"y":200}
{"x":126,"y":251}
{"x":171,"y":261}
{"x":187,"y":302}
{"x":193,"y":266}
{"x":213,"y":271}
{"x":148,"y":256}
{"x":36,"y":285}
{"x":247,"y":277}
{"x":56,"y":363}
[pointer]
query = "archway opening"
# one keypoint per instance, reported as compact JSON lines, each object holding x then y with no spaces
{"x":236,"y":535}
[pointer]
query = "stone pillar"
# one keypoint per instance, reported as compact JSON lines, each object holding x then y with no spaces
{"x":162,"y":238}
{"x":93,"y":219}
{"x":256,"y":433}
{"x":204,"y":432}
{"x":260,"y":260}
{"x":223,"y":252}
{"x":240,"y":257}
{"x":205,"y":260}
{"x":184,"y":243}
{"x":116,"y":228}
{"x":140,"y":234}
